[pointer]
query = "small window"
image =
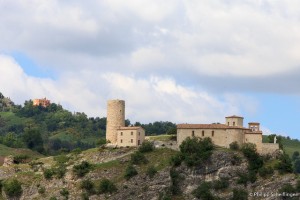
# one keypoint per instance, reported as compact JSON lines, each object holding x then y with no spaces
{"x":212,"y":133}
{"x":139,"y":142}
{"x":228,"y":123}
{"x":121,"y":133}
{"x":131,"y":133}
{"x":202,"y":133}
{"x":233,"y":123}
{"x":121,"y":141}
{"x":131,"y":140}
{"x":193,"y":133}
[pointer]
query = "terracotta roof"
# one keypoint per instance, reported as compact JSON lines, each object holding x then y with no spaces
{"x":202,"y":126}
{"x":130,"y":128}
{"x":208,"y":126}
{"x":234,"y":116}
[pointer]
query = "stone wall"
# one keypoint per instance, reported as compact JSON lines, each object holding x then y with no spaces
{"x":220,"y":137}
{"x":115,"y":119}
{"x":269,"y":148}
{"x":255,"y":139}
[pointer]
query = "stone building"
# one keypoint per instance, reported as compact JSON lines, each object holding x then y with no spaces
{"x":43,"y":102}
{"x":224,"y":134}
{"x":130,"y":136}
{"x":116,"y":132}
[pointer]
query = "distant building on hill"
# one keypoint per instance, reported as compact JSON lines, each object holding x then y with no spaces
{"x":116,"y":132}
{"x":43,"y":102}
{"x":224,"y":134}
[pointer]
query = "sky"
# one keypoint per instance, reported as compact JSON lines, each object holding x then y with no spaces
{"x":184,"y":61}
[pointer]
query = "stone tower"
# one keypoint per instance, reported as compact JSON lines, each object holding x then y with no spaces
{"x":115,"y":119}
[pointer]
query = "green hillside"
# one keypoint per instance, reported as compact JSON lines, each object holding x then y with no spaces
{"x":289,"y":145}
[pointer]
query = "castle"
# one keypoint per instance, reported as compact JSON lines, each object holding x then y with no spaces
{"x":116,"y":132}
{"x":43,"y":102}
{"x":224,"y":134}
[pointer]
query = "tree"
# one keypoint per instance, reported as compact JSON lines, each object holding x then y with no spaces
{"x":297,"y":166}
{"x":285,"y":164}
{"x":196,"y":150}
{"x":33,"y":139}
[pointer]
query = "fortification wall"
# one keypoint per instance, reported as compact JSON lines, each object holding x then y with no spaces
{"x":269,"y":148}
{"x":115,"y":119}
{"x":255,"y":139}
{"x":220,"y":137}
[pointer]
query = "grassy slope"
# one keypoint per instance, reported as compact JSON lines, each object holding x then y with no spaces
{"x":5,"y":151}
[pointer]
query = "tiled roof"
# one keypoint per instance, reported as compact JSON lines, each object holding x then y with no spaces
{"x":234,"y":116}
{"x":202,"y":126}
{"x":208,"y":126}
{"x":130,"y":128}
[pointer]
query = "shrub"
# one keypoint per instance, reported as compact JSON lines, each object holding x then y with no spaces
{"x":88,"y":185}
{"x":76,"y":151}
{"x":85,"y":196}
{"x":285,"y":164}
{"x":196,"y":150}
{"x":130,"y":172}
{"x":53,"y":198}
{"x":65,"y":193}
{"x":48,"y":173}
{"x":82,"y":169}
{"x":243,"y":179}
{"x":288,"y":189}
{"x":146,"y":146}
{"x":298,"y":186}
{"x":151,"y":171}
{"x":234,"y":146}
{"x":42,"y":190}
{"x":176,"y":159}
{"x":297,"y":166}
{"x":60,"y":171}
{"x":236,"y":160}
{"x":203,"y":191}
{"x":295,"y":155}
{"x":61,"y":159}
{"x":266,"y":171}
{"x":254,"y":159}
{"x":175,"y":180}
{"x":223,"y":183}
{"x":239,"y":194}
{"x":12,"y":188}
{"x":138,"y":158}
{"x":106,"y":186}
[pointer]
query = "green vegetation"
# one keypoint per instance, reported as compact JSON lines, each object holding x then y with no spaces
{"x":88,"y":186}
{"x":266,"y":172}
{"x":194,"y":151}
{"x":65,"y":193}
{"x":151,"y":171}
{"x":239,"y":194}
{"x":130,"y":172}
{"x":203,"y":191}
{"x":82,"y":169}
{"x":285,"y":164}
{"x":12,"y":188}
{"x":234,"y":146}
{"x":106,"y":186}
{"x":138,"y":158}
{"x":146,"y":146}
{"x":221,"y":184}
{"x":175,"y":182}
{"x":254,"y":159}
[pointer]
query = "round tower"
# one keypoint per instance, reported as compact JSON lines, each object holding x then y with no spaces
{"x":115,"y":118}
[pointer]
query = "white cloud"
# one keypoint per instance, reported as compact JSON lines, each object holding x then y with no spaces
{"x":147,"y":99}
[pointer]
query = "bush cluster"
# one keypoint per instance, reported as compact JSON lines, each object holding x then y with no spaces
{"x":239,"y":194}
{"x":106,"y":186}
{"x":146,"y":146}
{"x":12,"y":188}
{"x":151,"y":171}
{"x":254,"y":159}
{"x":193,"y":151}
{"x":234,"y":146}
{"x":203,"y":191}
{"x":138,"y":158}
{"x":82,"y":169}
{"x":130,"y":172}
{"x":266,"y":171}
{"x":285,"y":164}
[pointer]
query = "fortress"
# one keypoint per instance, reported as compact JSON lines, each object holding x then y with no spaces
{"x":43,"y":102}
{"x":116,"y":132}
{"x":224,"y":134}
